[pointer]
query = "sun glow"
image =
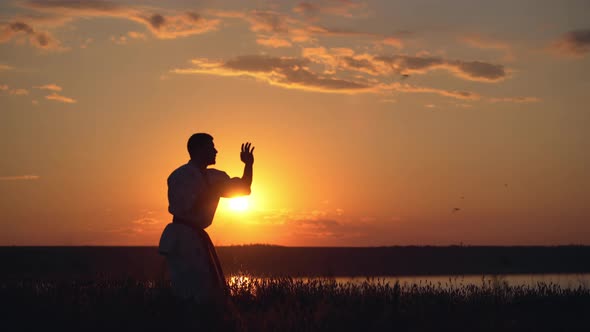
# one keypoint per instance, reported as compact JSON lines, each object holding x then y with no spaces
{"x":239,"y":204}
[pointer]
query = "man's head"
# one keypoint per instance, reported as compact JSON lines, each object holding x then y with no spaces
{"x":201,"y":149}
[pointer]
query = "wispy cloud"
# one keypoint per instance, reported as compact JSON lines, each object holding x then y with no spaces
{"x":146,"y":221}
{"x":136,"y":35}
{"x":75,"y":7}
{"x":20,"y":178}
{"x":40,"y":39}
{"x":162,"y":24}
{"x":63,"y":99}
{"x":148,"y":224}
{"x":174,"y":26}
{"x":273,"y":29}
{"x":409,"y":88}
{"x":295,"y":73}
{"x":481,"y":42}
{"x":86,"y":43}
{"x":4,"y":67}
{"x":346,"y":59}
{"x":268,"y":21}
{"x":285,"y":72}
{"x":317,"y":224}
{"x":280,"y":25}
{"x":469,"y":70}
{"x":391,"y":41}
{"x":18,"y":92}
{"x":519,"y":100}
{"x":573,"y":43}
{"x":120,"y":40}
{"x":342,"y":8}
{"x":50,"y":87}
{"x":274,"y":42}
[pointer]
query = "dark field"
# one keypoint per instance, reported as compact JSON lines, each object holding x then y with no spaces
{"x":287,"y":305}
{"x":125,"y":289}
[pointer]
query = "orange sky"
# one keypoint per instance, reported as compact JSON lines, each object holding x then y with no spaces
{"x":375,"y":123}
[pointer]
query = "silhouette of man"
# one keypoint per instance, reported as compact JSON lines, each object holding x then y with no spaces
{"x":193,"y":195}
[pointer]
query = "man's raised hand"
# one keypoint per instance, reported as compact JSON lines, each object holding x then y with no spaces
{"x":246,"y":155}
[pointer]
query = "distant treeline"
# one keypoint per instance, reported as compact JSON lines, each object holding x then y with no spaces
{"x":265,"y":260}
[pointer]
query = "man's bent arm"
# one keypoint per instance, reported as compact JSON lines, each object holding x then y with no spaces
{"x":243,"y":185}
{"x":239,"y":186}
{"x":247,"y":157}
{"x":247,"y":176}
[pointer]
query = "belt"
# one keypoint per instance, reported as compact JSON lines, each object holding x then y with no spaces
{"x":186,"y":222}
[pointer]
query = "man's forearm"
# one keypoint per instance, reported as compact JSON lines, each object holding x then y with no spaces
{"x":247,"y":176}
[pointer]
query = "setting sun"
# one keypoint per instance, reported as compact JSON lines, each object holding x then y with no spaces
{"x":238,"y":204}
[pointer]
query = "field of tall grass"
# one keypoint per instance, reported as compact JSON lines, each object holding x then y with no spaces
{"x":286,"y":304}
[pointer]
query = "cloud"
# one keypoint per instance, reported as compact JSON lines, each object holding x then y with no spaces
{"x":56,"y":97}
{"x":50,"y":87}
{"x":19,"y":92}
{"x":273,"y":41}
{"x":322,"y":224}
{"x":265,"y":22}
{"x":44,"y":20}
{"x":125,"y":231}
{"x":307,"y":8}
{"x":346,"y":59}
{"x":121,"y":40}
{"x":298,"y":31}
{"x":481,"y":42}
{"x":338,"y":59}
{"x":146,"y":221}
{"x":334,"y":32}
{"x":409,"y":88}
{"x":342,"y":8}
{"x":285,"y":72}
{"x":40,"y":39}
{"x":161,"y":25}
{"x":20,"y":178}
{"x":470,"y":70}
{"x":463,"y":105}
{"x":75,"y":7}
{"x":519,"y":100}
{"x":573,"y":43}
{"x":294,"y":73}
{"x":136,"y":35}
{"x":174,"y":26}
{"x":392,"y":41}
{"x":86,"y":42}
{"x":316,"y":228}
{"x":5,"y":67}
